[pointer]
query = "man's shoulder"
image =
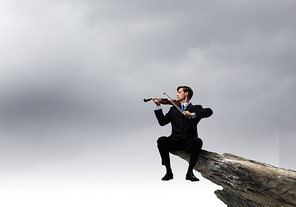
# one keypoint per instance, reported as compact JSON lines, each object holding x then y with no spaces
{"x":198,"y":106}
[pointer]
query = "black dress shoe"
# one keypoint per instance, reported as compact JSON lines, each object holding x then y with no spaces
{"x":190,"y":176}
{"x":168,"y":176}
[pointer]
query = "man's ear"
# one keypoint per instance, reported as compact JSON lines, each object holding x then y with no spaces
{"x":186,"y":93}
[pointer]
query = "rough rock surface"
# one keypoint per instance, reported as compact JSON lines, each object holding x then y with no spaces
{"x":246,"y":182}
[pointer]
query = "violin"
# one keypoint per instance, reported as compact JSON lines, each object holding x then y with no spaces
{"x":170,"y":101}
{"x":165,"y":101}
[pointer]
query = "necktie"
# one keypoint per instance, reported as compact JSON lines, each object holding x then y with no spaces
{"x":182,"y":107}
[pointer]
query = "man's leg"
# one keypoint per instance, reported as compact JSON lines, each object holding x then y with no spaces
{"x":194,"y":146}
{"x":164,"y":145}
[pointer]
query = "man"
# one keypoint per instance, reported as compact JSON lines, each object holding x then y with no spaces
{"x":184,"y":131}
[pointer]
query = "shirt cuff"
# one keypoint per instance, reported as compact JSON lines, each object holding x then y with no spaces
{"x":158,"y":107}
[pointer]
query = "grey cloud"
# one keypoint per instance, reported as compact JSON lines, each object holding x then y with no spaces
{"x":249,"y":31}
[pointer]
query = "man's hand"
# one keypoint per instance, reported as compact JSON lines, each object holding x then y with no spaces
{"x":156,"y":101}
{"x":187,"y":114}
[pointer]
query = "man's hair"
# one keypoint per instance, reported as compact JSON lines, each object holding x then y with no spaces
{"x":187,"y":89}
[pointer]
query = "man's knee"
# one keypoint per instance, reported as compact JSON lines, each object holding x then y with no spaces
{"x":161,"y":140}
{"x":197,"y":142}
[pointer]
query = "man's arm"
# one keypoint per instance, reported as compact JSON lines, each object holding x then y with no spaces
{"x":161,"y":118}
{"x":203,"y":112}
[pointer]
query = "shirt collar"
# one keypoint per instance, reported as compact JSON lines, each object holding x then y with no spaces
{"x":186,"y":104}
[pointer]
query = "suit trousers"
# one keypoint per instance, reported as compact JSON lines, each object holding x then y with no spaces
{"x":166,"y":144}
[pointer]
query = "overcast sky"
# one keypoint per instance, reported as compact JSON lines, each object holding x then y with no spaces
{"x":74,"y":75}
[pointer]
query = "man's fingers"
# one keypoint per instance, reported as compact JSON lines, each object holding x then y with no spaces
{"x":156,"y":101}
{"x":187,"y":113}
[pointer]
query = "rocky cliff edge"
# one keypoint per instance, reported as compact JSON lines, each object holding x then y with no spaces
{"x":246,"y":183}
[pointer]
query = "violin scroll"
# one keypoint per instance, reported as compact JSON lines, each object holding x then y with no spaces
{"x":148,"y":99}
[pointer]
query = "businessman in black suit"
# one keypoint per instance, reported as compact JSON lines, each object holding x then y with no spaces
{"x":184,"y":131}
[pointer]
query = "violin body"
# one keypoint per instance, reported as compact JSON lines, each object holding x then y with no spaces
{"x":165,"y":101}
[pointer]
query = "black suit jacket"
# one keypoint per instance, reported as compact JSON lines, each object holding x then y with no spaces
{"x":183,"y":127}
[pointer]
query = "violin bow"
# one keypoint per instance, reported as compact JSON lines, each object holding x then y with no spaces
{"x":173,"y":103}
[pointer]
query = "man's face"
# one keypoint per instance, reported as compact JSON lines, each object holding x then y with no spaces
{"x":181,"y":95}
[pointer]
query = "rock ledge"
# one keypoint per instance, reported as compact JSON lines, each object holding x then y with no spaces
{"x":246,"y":183}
